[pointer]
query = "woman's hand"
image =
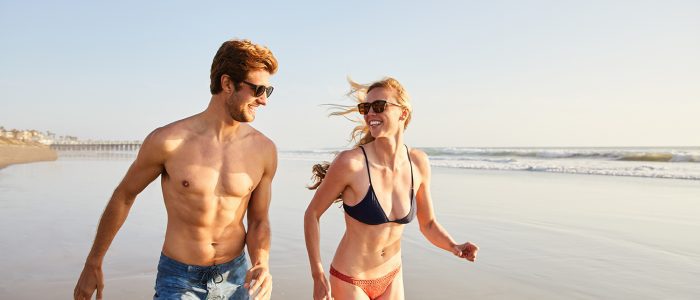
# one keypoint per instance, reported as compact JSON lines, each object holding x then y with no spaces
{"x":466,"y":250}
{"x":322,"y":288}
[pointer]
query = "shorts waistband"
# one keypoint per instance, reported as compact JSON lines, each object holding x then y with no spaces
{"x":164,"y":259}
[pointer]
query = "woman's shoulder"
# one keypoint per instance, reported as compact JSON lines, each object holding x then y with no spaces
{"x":418,"y":154}
{"x":349,"y":160}
{"x":419,"y":158}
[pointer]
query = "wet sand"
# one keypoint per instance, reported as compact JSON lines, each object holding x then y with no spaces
{"x":17,"y":154}
{"x":543,"y":236}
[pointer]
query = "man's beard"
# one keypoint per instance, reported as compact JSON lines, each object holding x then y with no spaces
{"x":237,"y":113}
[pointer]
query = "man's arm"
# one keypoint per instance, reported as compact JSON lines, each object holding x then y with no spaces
{"x":147,"y":166}
{"x":258,"y":236}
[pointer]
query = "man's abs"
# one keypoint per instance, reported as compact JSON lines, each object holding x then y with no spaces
{"x":204,"y":230}
{"x":204,"y":246}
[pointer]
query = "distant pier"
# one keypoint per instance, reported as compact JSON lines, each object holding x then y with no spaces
{"x":124,"y":146}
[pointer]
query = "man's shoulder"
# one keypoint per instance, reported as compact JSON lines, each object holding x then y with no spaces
{"x":260,"y":140}
{"x":170,"y":136}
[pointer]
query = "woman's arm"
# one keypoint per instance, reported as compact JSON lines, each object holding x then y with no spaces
{"x":337,"y":178}
{"x":429,"y":225}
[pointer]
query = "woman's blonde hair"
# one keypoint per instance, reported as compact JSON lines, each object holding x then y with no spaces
{"x":360,"y":133}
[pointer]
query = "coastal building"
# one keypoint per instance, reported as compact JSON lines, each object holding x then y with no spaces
{"x":30,"y":135}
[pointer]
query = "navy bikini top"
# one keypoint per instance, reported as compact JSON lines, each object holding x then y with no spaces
{"x":369,"y":211}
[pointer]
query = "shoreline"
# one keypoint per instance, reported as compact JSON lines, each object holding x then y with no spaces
{"x":25,"y":153}
{"x":543,"y":235}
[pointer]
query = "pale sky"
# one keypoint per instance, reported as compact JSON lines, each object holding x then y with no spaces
{"x":480,"y":73}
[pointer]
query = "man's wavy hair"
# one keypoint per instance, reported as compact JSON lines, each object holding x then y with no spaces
{"x":236,"y":58}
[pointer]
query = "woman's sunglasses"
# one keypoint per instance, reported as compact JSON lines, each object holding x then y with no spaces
{"x":377,"y":105}
{"x":260,"y":89}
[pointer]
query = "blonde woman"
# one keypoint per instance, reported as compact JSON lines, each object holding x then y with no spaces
{"x":383,"y":185}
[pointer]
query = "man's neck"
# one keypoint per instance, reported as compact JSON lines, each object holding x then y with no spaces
{"x":217,"y":120}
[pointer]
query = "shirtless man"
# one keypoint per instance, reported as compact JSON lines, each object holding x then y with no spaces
{"x":214,"y":167}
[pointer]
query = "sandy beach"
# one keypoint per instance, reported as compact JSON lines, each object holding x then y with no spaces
{"x":16,"y":152}
{"x":542,"y":236}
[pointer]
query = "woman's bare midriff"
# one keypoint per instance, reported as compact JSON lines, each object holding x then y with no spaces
{"x":368,"y":251}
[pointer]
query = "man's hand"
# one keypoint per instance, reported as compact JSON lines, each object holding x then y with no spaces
{"x":466,"y":250}
{"x":258,"y":281}
{"x":322,"y":288}
{"x":91,"y":279}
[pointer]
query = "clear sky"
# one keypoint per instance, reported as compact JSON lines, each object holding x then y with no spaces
{"x":480,"y":73}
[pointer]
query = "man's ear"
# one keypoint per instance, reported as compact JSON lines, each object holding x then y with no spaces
{"x":227,"y":84}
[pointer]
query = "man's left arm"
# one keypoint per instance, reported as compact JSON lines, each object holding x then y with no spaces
{"x":258,"y":279}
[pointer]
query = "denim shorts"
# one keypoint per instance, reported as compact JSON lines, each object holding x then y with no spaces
{"x":176,"y":280}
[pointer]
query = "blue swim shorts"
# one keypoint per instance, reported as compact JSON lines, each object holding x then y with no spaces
{"x":176,"y":280}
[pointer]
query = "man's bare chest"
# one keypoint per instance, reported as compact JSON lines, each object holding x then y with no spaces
{"x":214,"y":172}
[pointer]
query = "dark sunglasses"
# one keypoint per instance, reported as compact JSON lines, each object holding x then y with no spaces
{"x":260,"y":89}
{"x":377,"y":105}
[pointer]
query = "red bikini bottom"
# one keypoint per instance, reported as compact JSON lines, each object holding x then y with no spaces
{"x":372,"y":287}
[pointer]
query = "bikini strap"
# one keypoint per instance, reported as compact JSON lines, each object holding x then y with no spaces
{"x":367,"y":162}
{"x":411,"y":164}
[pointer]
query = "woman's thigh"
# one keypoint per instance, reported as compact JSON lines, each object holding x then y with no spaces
{"x":395,"y":289}
{"x":341,"y":290}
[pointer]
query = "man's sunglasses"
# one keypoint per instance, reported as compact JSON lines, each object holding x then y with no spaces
{"x":260,"y":89}
{"x":377,"y":105}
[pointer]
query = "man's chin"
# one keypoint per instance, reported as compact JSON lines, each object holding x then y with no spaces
{"x":243,"y":118}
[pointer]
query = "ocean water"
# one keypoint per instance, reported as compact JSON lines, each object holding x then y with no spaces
{"x":542,"y":235}
{"x":651,"y":162}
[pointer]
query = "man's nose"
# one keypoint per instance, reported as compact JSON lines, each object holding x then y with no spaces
{"x":262,"y":100}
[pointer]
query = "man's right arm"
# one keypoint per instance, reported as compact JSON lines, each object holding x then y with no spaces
{"x":149,"y":164}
